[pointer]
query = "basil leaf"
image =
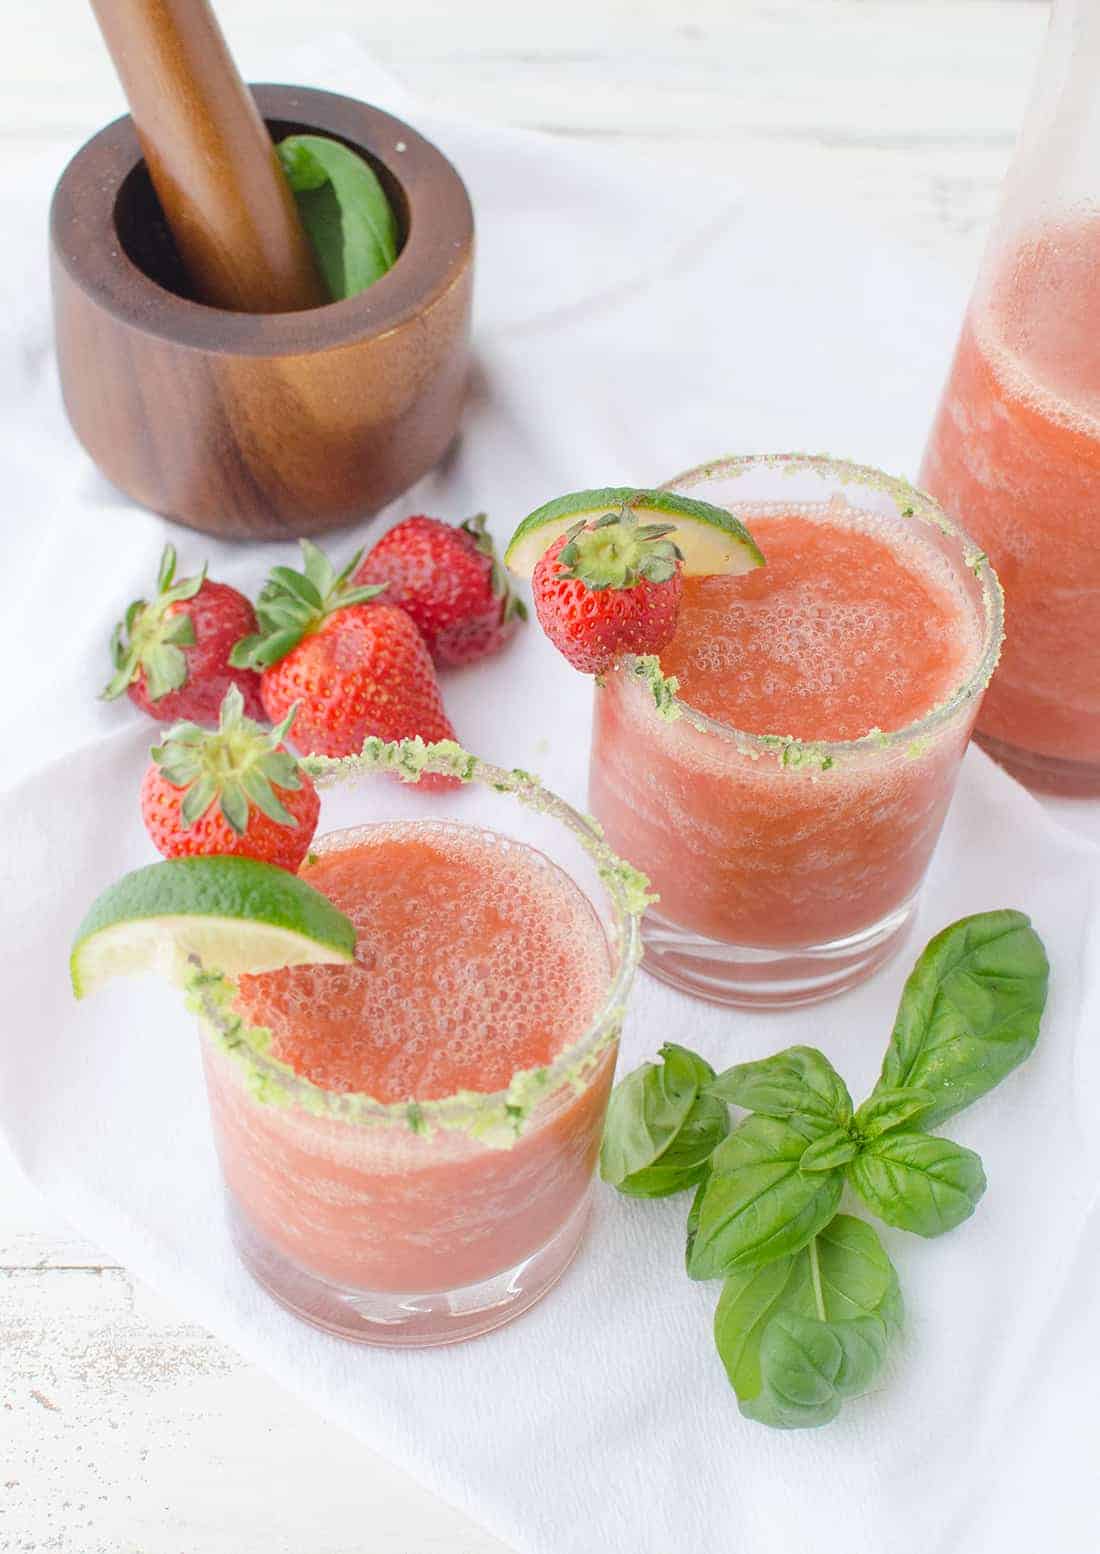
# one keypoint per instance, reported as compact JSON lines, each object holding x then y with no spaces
{"x":685,"y":1069}
{"x":344,"y":209}
{"x":758,"y":1205}
{"x":969,"y":1012}
{"x":857,"y":1277}
{"x":854,"y":1288}
{"x":685,"y":1162}
{"x":829,"y":1152}
{"x":798,"y":1085}
{"x":660,"y":1131}
{"x":643,"y":1117}
{"x":808,"y":1367}
{"x":918,"y":1182}
{"x":693,"y":1215}
{"x":748,"y":1302}
{"x":889,"y":1109}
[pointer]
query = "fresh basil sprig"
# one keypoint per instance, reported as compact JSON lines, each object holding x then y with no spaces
{"x":811,"y":1300}
{"x":348,"y":219}
{"x":661,"y":1126}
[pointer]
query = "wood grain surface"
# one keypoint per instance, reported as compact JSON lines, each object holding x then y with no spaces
{"x":218,"y":180}
{"x":122,"y":1427}
{"x":255,"y":425}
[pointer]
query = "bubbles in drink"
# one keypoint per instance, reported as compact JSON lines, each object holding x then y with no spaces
{"x":853,"y":624}
{"x":476,"y":956}
{"x":1014,"y":454}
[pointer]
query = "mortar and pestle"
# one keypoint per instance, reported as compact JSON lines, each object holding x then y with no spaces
{"x":201,"y":365}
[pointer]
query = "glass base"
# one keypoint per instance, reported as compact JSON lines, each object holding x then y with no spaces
{"x":1044,"y":773}
{"x":746,"y":977}
{"x":408,"y":1321}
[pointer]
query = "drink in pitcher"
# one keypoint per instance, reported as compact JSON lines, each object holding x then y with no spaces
{"x":786,"y":800}
{"x":1015,"y":453}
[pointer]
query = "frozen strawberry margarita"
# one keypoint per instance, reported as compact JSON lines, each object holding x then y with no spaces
{"x":408,"y":1140}
{"x":786,"y":800}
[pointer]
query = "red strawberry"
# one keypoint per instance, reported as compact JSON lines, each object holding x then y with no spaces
{"x":354,"y":667}
{"x":172,"y":656}
{"x":450,"y":582}
{"x":233,"y":789}
{"x":608,"y":588}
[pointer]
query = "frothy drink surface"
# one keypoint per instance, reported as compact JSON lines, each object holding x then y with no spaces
{"x":1014,"y":454}
{"x":842,"y":631}
{"x":476,"y":956}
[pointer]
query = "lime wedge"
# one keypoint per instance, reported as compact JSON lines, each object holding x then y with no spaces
{"x":235,"y":914}
{"x":712,"y":539}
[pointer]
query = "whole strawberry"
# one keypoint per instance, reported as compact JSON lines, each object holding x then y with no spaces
{"x":171,"y":655}
{"x":354,"y":667}
{"x":449,"y":580}
{"x":234,"y":789}
{"x":607,"y":588}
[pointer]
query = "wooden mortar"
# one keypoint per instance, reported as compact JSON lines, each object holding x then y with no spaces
{"x":261,"y":425}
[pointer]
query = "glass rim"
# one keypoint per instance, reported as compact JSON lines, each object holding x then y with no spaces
{"x":910,"y":502}
{"x":496,"y":1117}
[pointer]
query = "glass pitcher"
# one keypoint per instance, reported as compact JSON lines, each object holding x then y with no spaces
{"x":1014,"y":453}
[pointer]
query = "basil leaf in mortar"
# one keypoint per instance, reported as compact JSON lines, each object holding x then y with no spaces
{"x":969,"y":1012}
{"x":918,"y":1182}
{"x":344,"y":209}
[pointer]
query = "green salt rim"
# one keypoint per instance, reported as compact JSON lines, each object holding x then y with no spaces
{"x":498,"y":1118}
{"x":816,"y":757}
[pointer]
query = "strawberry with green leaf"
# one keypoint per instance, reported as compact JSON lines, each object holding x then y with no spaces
{"x":171,"y":653}
{"x":448,"y":578}
{"x":608,"y":587}
{"x":355,"y":665}
{"x":235,"y":789}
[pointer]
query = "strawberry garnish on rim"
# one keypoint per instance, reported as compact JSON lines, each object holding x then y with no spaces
{"x":608,"y":587}
{"x":618,"y":552}
{"x":171,"y":653}
{"x":235,"y":789}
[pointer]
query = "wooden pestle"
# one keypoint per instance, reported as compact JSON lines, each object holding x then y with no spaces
{"x":211,"y":159}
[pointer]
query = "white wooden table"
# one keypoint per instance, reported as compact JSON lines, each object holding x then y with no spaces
{"x":125,"y":1429}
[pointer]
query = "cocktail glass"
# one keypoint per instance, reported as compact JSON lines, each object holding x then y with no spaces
{"x":419,"y":1223}
{"x":786,"y":871}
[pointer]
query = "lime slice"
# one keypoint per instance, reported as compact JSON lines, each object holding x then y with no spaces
{"x":234,"y":914}
{"x":712,"y":539}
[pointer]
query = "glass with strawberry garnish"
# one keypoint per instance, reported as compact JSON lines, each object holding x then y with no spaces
{"x":782,"y":765}
{"x":408,"y":1140}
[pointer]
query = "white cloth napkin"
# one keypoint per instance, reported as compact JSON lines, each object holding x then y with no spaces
{"x":631,"y":321}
